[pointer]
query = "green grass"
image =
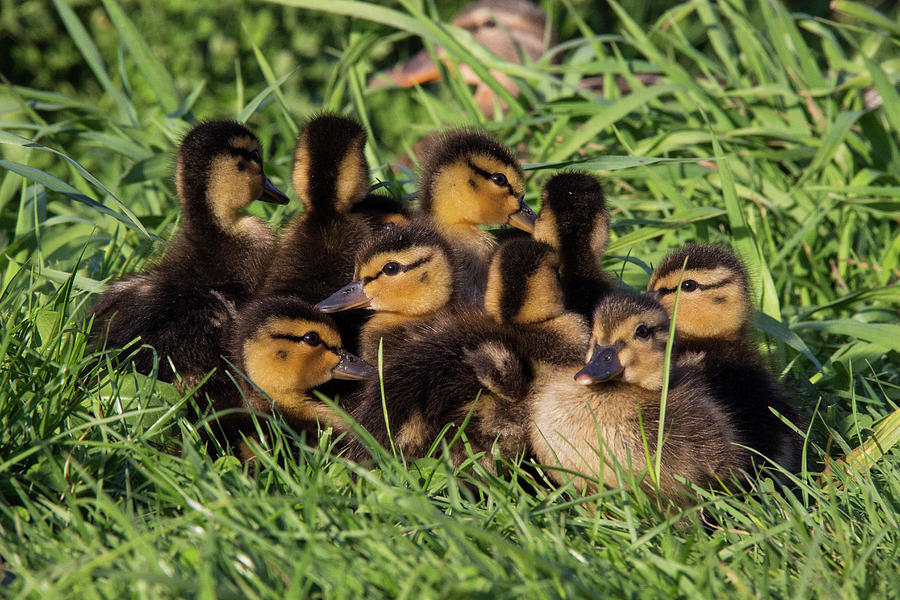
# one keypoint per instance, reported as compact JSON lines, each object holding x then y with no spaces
{"x":758,"y":135}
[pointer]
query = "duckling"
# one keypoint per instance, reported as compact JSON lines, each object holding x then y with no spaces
{"x":470,"y":179}
{"x":611,"y":408}
{"x":478,"y":361}
{"x":183,"y":305}
{"x":286,"y":348}
{"x":511,"y":29}
{"x":574,"y":220}
{"x":403,"y":274}
{"x":316,"y":254}
{"x":713,"y":321}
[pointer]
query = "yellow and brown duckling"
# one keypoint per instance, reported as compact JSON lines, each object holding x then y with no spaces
{"x":575,"y":221}
{"x":317,"y":251}
{"x":611,"y":408}
{"x":382,"y":210}
{"x":471,"y":179}
{"x":404,"y":274}
{"x":183,"y":306}
{"x":476,"y":361}
{"x":713,"y":322}
{"x":286,"y":348}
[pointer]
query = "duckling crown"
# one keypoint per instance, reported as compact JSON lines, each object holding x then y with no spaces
{"x":462,"y":146}
{"x":573,"y":216}
{"x":199,"y":150}
{"x":330,"y":170}
{"x":393,"y":240}
{"x":523,"y":284}
{"x":715,"y":298}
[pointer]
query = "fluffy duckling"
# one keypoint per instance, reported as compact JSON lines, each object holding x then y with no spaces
{"x":477,"y":361}
{"x":606,"y":414}
{"x":183,"y":306}
{"x":404,"y":274}
{"x":575,"y":221}
{"x":713,"y":321}
{"x":511,"y":29}
{"x":286,"y":348}
{"x":317,"y":251}
{"x":471,"y":179}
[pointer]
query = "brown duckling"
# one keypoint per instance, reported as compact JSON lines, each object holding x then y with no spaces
{"x":476,"y":361}
{"x":471,"y":179}
{"x":404,"y":274}
{"x":286,"y":348}
{"x":575,"y":221}
{"x":316,"y":254}
{"x":184,"y":304}
{"x":606,"y":414}
{"x":714,"y":320}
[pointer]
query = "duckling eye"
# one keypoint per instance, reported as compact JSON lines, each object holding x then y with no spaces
{"x":254,"y":156}
{"x":391,"y":268}
{"x":688,"y":286}
{"x":642,"y":332}
{"x":499,"y":179}
{"x":312,"y":338}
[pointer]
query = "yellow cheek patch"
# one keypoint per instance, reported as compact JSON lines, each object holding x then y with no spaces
{"x":300,"y":173}
{"x":462,"y":195}
{"x":545,"y":228}
{"x":230,"y":189}
{"x":543,"y":296}
{"x":353,"y":178}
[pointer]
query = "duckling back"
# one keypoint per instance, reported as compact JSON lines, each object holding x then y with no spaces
{"x":575,"y":221}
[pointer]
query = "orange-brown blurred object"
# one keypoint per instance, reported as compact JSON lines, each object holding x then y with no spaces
{"x":508,"y":28}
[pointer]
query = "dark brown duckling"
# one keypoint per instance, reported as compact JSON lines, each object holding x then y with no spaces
{"x":611,"y":408}
{"x":403,"y":274}
{"x":183,"y":306}
{"x":316,"y":254}
{"x":714,"y":320}
{"x":471,"y":179}
{"x":476,"y":361}
{"x":575,"y":221}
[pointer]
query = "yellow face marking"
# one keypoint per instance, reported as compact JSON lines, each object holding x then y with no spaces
{"x":543,"y":294}
{"x":545,"y":228}
{"x":300,"y":173}
{"x":353,"y":178}
{"x":718,"y":312}
{"x":285,"y":369}
{"x":234,"y":182}
{"x":414,"y":290}
{"x":462,"y":195}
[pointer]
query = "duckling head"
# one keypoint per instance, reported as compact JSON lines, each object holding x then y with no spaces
{"x":714,"y":302}
{"x":406,"y":270}
{"x":220,"y":172}
{"x":330,"y":170}
{"x":573,"y":216}
{"x":628,"y":342}
{"x":469,"y":179}
{"x":286,"y":348}
{"x":523,"y":283}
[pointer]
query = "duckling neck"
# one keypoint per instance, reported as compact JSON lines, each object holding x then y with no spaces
{"x":302,"y":410}
{"x":379,"y":326}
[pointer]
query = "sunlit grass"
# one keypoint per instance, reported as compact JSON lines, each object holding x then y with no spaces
{"x":760,"y":132}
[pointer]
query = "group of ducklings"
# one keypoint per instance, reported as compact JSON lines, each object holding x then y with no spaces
{"x":527,"y":342}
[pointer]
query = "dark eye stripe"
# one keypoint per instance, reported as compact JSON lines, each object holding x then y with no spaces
{"x":286,"y":336}
{"x":487,"y":176}
{"x":700,"y":286}
{"x":403,"y":269}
